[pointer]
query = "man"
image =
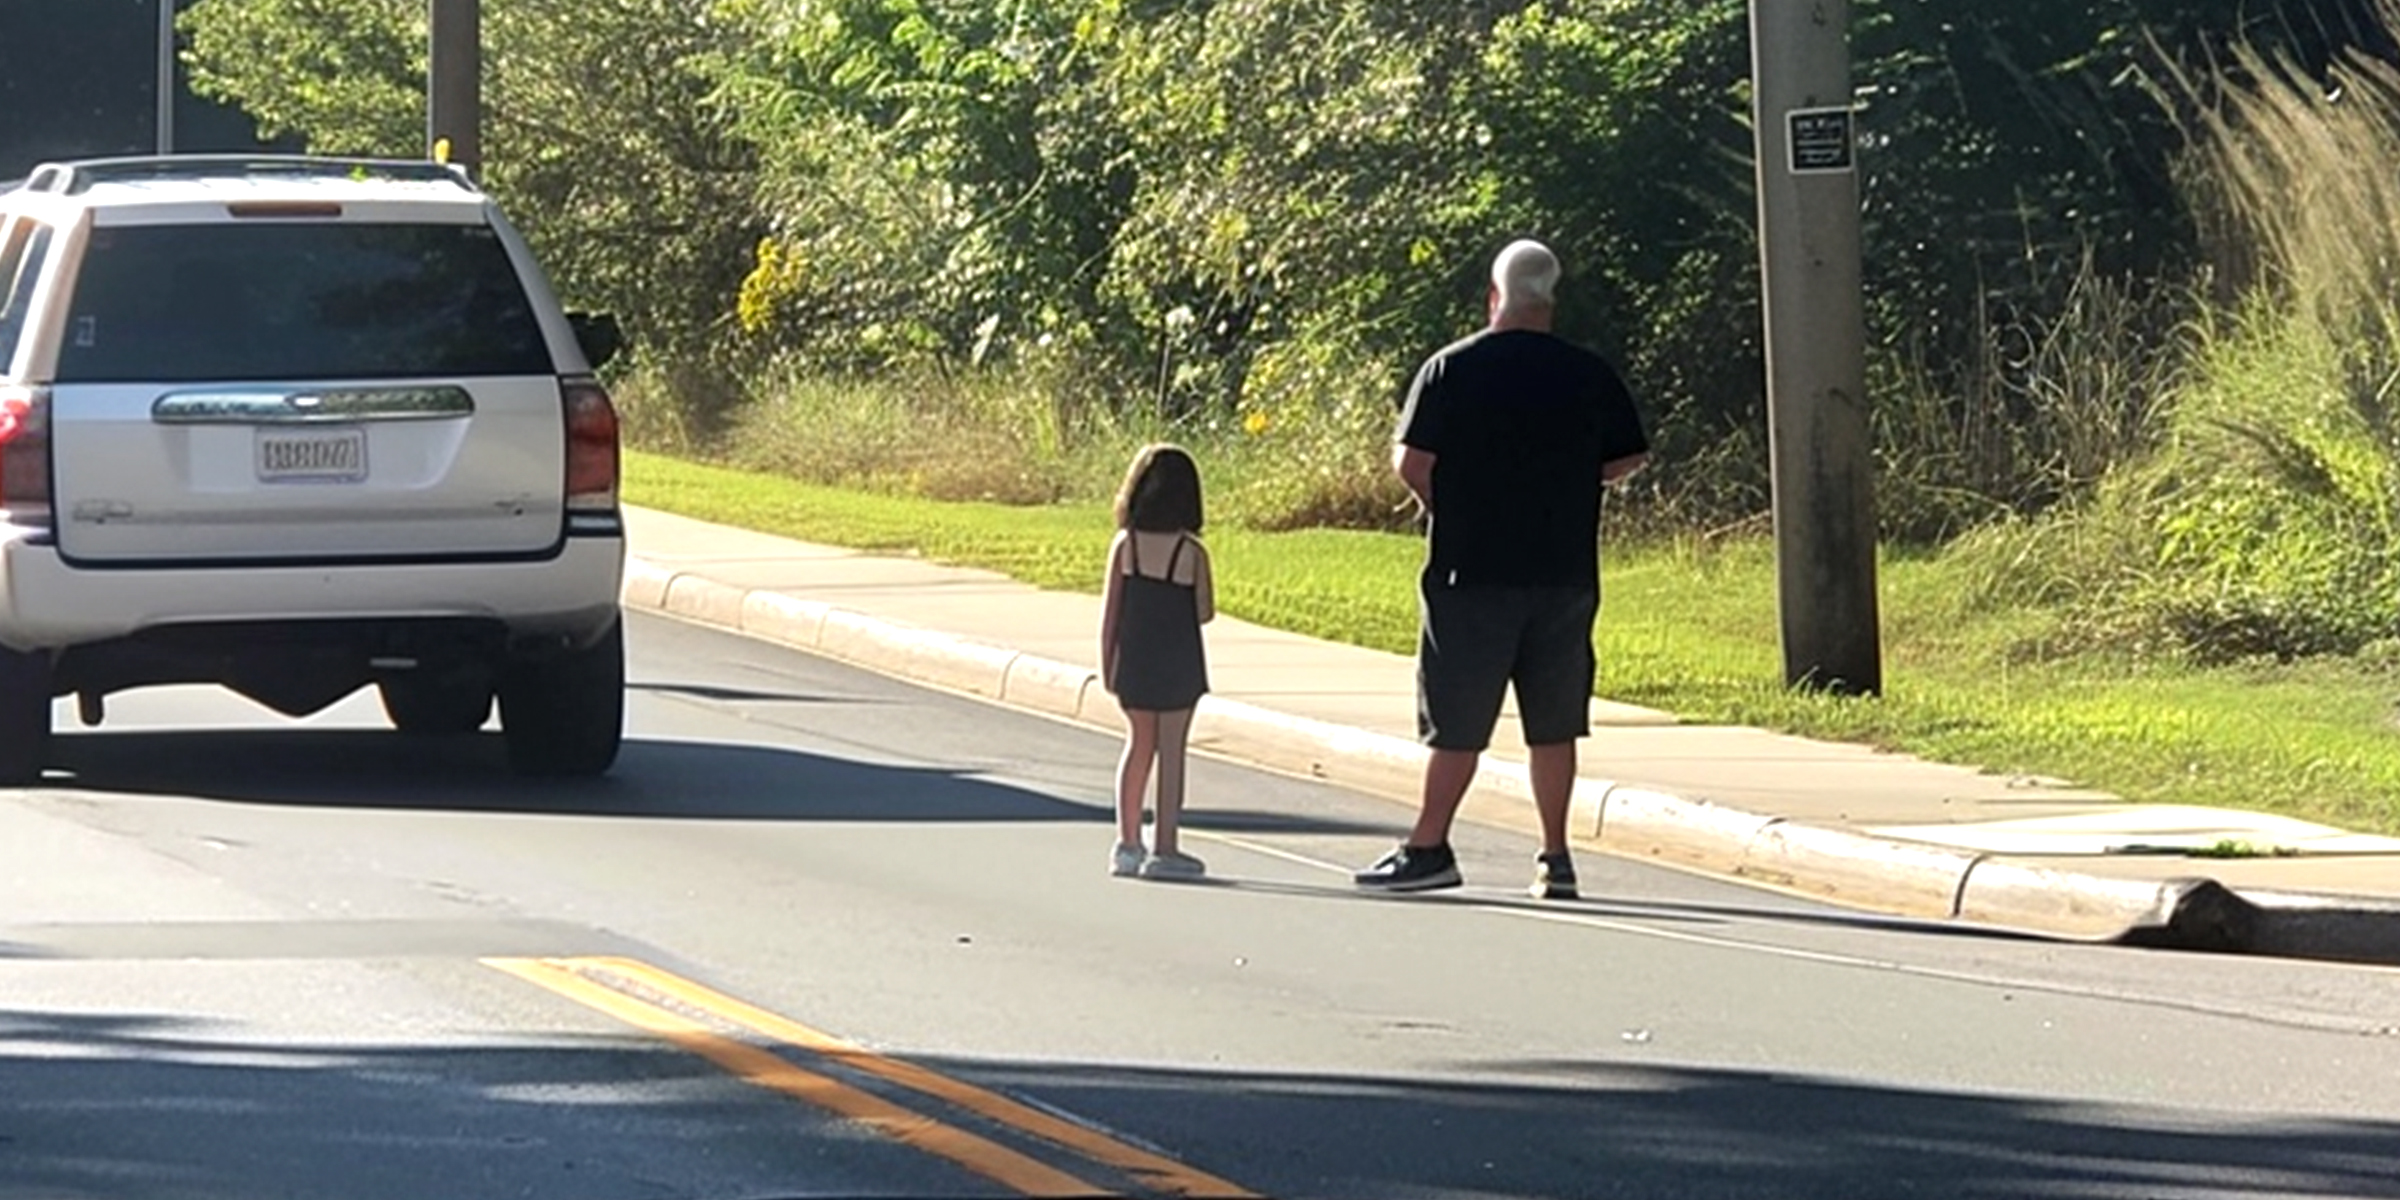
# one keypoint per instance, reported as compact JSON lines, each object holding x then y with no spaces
{"x":1507,"y":439}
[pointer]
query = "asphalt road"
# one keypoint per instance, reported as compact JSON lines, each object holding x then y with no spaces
{"x":823,"y":934}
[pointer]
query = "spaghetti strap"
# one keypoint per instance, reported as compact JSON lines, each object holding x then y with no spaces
{"x":1174,"y":558}
{"x":1133,"y":552}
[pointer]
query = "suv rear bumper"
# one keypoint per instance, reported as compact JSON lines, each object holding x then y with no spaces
{"x":46,"y":604}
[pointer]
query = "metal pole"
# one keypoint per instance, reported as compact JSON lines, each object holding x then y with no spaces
{"x":166,"y":76}
{"x":1808,"y":204}
{"x":454,"y":93}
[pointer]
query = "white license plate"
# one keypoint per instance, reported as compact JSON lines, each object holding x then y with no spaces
{"x":314,"y":456}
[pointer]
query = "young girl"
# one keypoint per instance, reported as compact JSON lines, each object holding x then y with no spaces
{"x":1157,"y":597}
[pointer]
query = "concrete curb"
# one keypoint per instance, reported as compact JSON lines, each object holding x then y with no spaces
{"x":1840,"y":865}
{"x":2336,"y":928}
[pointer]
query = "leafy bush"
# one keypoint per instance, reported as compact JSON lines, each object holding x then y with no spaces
{"x":1312,"y":444}
{"x":1145,"y":205}
{"x":600,"y":140}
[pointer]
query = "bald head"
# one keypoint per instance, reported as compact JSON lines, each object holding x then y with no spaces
{"x":1524,"y":285}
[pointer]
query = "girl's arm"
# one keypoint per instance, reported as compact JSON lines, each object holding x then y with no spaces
{"x":1112,"y":595}
{"x":1204,"y":583}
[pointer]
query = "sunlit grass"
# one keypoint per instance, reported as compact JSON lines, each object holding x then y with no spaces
{"x":1692,"y":629}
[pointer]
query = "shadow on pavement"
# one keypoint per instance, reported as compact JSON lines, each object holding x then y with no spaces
{"x":734,"y":695}
{"x":654,"y":779}
{"x":131,"y":1105}
{"x":1261,"y":821}
{"x":1590,"y":1129}
{"x":664,"y":780}
{"x":1626,"y":908}
{"x":1836,"y":918}
{"x":122,"y":1105}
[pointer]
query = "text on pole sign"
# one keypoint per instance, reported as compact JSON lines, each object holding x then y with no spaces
{"x":1821,"y":141}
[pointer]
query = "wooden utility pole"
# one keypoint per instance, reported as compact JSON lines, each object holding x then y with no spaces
{"x":454,"y":93}
{"x":1808,"y":237}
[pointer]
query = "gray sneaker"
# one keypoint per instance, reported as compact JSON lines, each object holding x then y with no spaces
{"x":1175,"y":865}
{"x":1125,"y":861}
{"x":1554,"y":878}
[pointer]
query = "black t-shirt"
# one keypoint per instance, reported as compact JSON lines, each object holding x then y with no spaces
{"x":1519,"y":423}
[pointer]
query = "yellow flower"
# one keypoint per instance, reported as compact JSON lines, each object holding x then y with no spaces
{"x":1256,"y":423}
{"x":780,"y":274}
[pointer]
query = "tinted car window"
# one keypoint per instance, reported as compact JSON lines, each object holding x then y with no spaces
{"x":275,"y":300}
{"x":23,"y":248}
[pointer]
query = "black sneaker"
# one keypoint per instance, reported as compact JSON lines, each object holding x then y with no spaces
{"x":1411,"y":869}
{"x":1554,"y":878}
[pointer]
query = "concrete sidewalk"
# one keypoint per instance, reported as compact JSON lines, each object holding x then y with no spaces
{"x":1844,"y":823}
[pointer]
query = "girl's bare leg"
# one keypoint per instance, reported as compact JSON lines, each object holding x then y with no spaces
{"x":1173,"y":730}
{"x":1133,"y":773}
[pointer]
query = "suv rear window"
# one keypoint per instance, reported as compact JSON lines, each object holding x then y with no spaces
{"x":279,"y":300}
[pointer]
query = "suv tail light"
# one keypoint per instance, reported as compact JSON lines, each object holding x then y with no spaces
{"x":591,"y":447}
{"x":25,"y":451}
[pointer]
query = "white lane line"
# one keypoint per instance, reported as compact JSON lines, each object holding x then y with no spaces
{"x":1571,"y":918}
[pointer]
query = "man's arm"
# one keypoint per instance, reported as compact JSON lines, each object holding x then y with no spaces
{"x":1415,"y":468}
{"x":1420,"y":433}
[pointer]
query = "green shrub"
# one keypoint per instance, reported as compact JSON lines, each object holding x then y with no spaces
{"x":1311,"y":445}
{"x":2277,"y":531}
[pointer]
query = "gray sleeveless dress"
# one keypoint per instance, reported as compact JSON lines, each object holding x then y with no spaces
{"x":1161,"y":664}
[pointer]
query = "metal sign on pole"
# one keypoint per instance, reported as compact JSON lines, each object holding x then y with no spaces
{"x":166,"y":77}
{"x":454,"y":89}
{"x":1809,"y":260}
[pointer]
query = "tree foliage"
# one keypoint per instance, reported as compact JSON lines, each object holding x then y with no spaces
{"x":601,"y":138}
{"x":1227,"y":206}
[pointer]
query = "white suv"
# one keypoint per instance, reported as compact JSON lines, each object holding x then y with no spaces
{"x":296,"y":426}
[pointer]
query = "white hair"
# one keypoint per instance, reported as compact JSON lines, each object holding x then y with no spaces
{"x":1526,"y":272}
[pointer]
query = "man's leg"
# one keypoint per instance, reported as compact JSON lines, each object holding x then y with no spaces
{"x":1447,"y":776}
{"x":1463,"y":658}
{"x":1552,"y":768}
{"x":1554,"y":675}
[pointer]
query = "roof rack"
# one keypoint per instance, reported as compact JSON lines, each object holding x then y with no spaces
{"x":71,"y":178}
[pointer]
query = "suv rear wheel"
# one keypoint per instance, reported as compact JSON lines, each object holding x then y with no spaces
{"x":433,"y":705}
{"x":565,"y":715}
{"x":24,"y":716}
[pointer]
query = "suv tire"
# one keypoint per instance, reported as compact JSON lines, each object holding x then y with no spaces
{"x":24,"y":716}
{"x":432,"y":706}
{"x":564,"y":715}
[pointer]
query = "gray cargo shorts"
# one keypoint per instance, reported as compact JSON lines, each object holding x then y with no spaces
{"x":1478,"y":641}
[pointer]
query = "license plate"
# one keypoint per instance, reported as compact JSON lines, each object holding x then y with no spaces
{"x":316,"y":456}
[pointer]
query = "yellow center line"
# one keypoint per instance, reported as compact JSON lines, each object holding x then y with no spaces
{"x":1155,"y":1171}
{"x":771,"y":1071}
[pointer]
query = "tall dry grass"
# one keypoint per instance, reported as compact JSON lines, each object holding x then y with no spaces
{"x":2268,"y":524}
{"x":1306,"y":446}
{"x":2295,"y":185}
{"x":2044,"y":406}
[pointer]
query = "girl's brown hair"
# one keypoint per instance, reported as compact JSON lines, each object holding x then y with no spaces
{"x":1161,"y":492}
